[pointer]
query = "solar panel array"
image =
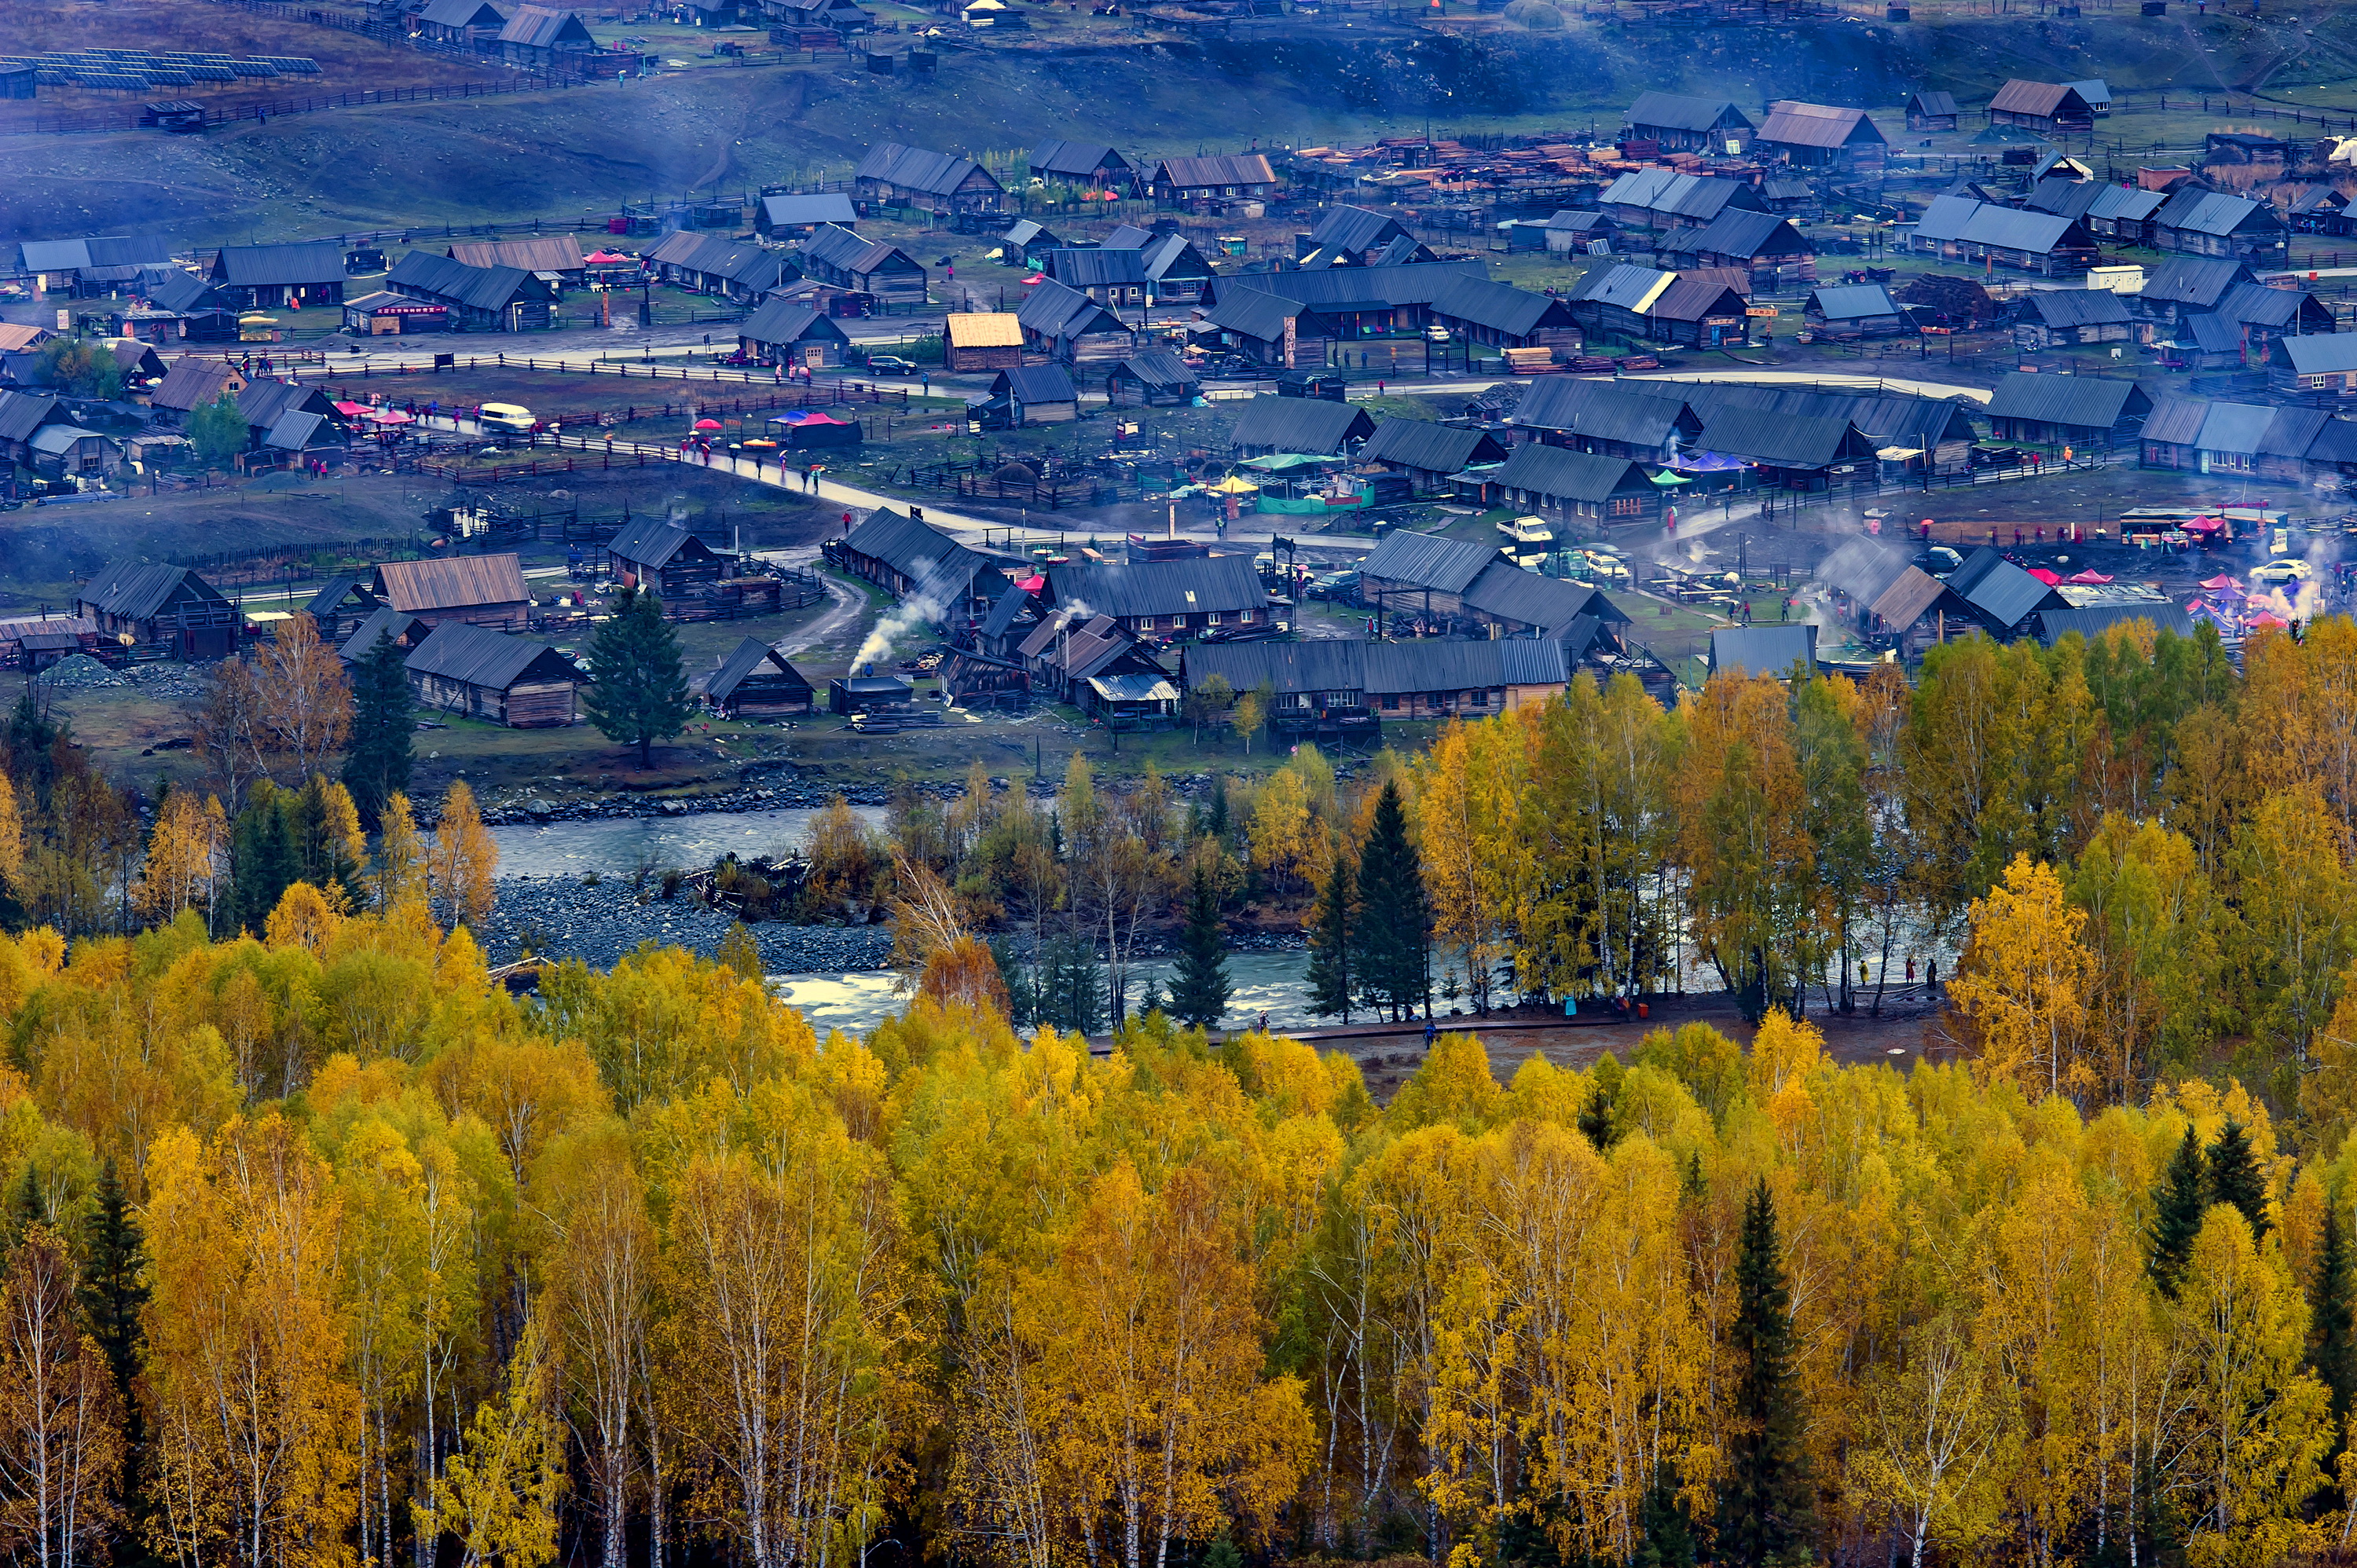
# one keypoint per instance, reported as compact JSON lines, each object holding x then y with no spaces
{"x":135,"y":70}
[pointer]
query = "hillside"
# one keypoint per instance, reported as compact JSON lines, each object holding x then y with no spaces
{"x":559,"y":153}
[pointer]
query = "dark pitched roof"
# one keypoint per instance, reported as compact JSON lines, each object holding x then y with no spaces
{"x":1748,"y":650}
{"x":1679,"y":112}
{"x":1819,"y":125}
{"x":460,"y":582}
{"x":1316,"y":665}
{"x":404,"y":629}
{"x":2039,"y":99}
{"x":1383,"y":668}
{"x":461,"y":14}
{"x":1933,"y":103}
{"x":2260,"y":305}
{"x":1501,"y":306}
{"x":2054,"y":625}
{"x":1158,"y":369}
{"x":1006,"y":611}
{"x":1998,"y":590}
{"x":1087,"y":268}
{"x":1249,"y":312}
{"x":2197,"y":281}
{"x":1228,"y":168}
{"x":2071,"y":307}
{"x":543,"y":27}
{"x":1057,"y":310}
{"x":1570,"y":476}
{"x":481,"y":656}
{"x":916,"y":168}
{"x":313,"y":260}
{"x":825,"y":206}
{"x":171,"y":288}
{"x":21,"y":413}
{"x":1434,"y":448}
{"x":835,"y":246}
{"x":1427,"y":561}
{"x":1636,"y":414}
{"x":1299,"y":424}
{"x":533,"y":254}
{"x":743,"y":660}
{"x":135,"y":590}
{"x":1780,"y":440}
{"x":2095,"y":402}
{"x":1160,"y":588}
{"x":1075,"y":159}
{"x":477,"y":289}
{"x":650,"y":540}
{"x":296,"y":430}
{"x":1036,"y":384}
{"x":783,"y":321}
{"x":334,"y":592}
{"x":1418,"y":282}
{"x":919,"y":552}
{"x":2214,"y":213}
{"x":1692,"y":297}
{"x":2176,"y":420}
{"x":748,"y":266}
{"x":1505,"y":590}
{"x":1352,"y":228}
{"x":1854,"y":302}
{"x":2319,"y":353}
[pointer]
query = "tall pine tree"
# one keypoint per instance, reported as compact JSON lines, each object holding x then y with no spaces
{"x":114,"y":1294}
{"x":639,"y":693}
{"x":2178,"y":1204}
{"x":1395,"y":921}
{"x":1765,"y":1510}
{"x":265,"y":854}
{"x":2235,"y":1178}
{"x":2332,"y":1298}
{"x":1199,"y":985}
{"x":1331,"y":969}
{"x":384,"y":726}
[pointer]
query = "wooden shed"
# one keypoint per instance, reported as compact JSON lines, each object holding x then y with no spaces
{"x":484,"y":590}
{"x":148,"y":602}
{"x":513,"y":681}
{"x":662,"y":557}
{"x":755,"y":682}
{"x":983,"y":340}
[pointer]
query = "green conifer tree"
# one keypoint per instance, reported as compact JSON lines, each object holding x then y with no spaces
{"x":384,"y":724}
{"x":1665,"y":1534}
{"x":1394,"y":945}
{"x":1215,"y":819}
{"x":114,"y":1294}
{"x":2332,"y":1297}
{"x":1199,"y":983}
{"x":2178,"y":1204}
{"x":1766,"y":1509}
{"x":639,"y":694}
{"x":265,"y":857}
{"x":1331,"y":961}
{"x":2235,"y":1178}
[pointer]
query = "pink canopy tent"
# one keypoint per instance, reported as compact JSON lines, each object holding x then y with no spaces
{"x":2204,"y":525}
{"x":2045,"y":576}
{"x":2263,"y":621}
{"x":2220,"y":581}
{"x":2090,"y":576}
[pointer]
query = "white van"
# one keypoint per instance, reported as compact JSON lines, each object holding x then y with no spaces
{"x":505,"y":416}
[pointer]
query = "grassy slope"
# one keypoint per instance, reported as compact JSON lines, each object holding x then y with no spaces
{"x":562,"y":153}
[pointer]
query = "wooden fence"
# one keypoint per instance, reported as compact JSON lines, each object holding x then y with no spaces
{"x":820,"y":393}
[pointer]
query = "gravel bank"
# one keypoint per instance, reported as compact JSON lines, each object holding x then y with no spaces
{"x":600,"y":924}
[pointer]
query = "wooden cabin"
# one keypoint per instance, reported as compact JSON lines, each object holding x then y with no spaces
{"x":755,"y":682}
{"x":662,"y":557}
{"x":148,"y":602}
{"x":517,"y":681}
{"x":482,"y":590}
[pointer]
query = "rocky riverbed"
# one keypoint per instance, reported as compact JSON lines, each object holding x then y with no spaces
{"x":598,"y":925}
{"x":745,"y":797}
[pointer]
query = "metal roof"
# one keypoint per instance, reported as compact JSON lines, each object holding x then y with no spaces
{"x":2009,"y":229}
{"x":479,"y":656}
{"x":2319,"y":353}
{"x":2006,"y":593}
{"x":461,"y":14}
{"x":1352,"y":228}
{"x":2043,"y":100}
{"x":1158,"y":368}
{"x":1501,"y":306}
{"x":2095,"y":402}
{"x":2336,"y":443}
{"x":2263,"y":304}
{"x":1909,"y":597}
{"x":822,"y":207}
{"x":1549,"y":604}
{"x":1945,"y":217}
{"x":541,"y":27}
{"x":1854,"y":302}
{"x":1693,"y":297}
{"x":1564,"y":475}
{"x":833,"y":245}
{"x":1748,"y":650}
{"x":333,"y":593}
{"x":545,"y":253}
{"x":1623,"y":284}
{"x":296,"y":430}
{"x":1223,"y":170}
{"x":1054,"y":310}
{"x":2214,"y":213}
{"x":1086,"y":268}
{"x":2091,"y":623}
{"x":2176,"y":421}
{"x":918,"y":169}
{"x":746,"y":657}
{"x":61,"y":437}
{"x":2094,"y":89}
{"x":1355,"y":288}
{"x":1382,"y":669}
{"x":1220,"y":583}
{"x":1078,"y":159}
{"x":1933,"y":103}
{"x":936,"y":563}
{"x":1680,"y":112}
{"x":136,"y":590}
{"x":193,"y":379}
{"x":1036,"y":384}
{"x":1637,"y":414}
{"x":421,"y":273}
{"x":2234,"y":427}
{"x":265,"y":266}
{"x":651,"y":541}
{"x":461,"y":582}
{"x":1427,"y":561}
{"x":1308,"y":424}
{"x":1005,"y":611}
{"x":748,"y":266}
{"x":2066,"y":307}
{"x":1778,"y":440}
{"x":2118,"y":204}
{"x":1819,"y":125}
{"x":1434,"y":448}
{"x":2199,"y":281}
{"x":783,"y":321}
{"x":2068,"y":198}
{"x":21,"y":413}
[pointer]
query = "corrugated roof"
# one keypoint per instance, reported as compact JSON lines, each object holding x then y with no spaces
{"x":1427,"y":561}
{"x":918,"y":169}
{"x":2197,"y":281}
{"x":1747,"y":650}
{"x":2006,"y":593}
{"x":1912,"y":594}
{"x":424,"y":275}
{"x":1680,"y":112}
{"x":1550,"y":604}
{"x":1054,"y":310}
{"x":2336,"y":443}
{"x":54,"y":438}
{"x":2054,"y":625}
{"x":1318,"y":665}
{"x":1564,"y":475}
{"x":833,"y":245}
{"x":1623,"y":284}
{"x":820,"y":206}
{"x":480,"y":657}
{"x":748,"y":266}
{"x":294,"y":431}
{"x":1074,"y":159}
{"x":1352,"y":228}
{"x":192,"y":380}
{"x":1779,"y":440}
{"x":980,"y":329}
{"x":1036,"y":384}
{"x":1223,"y":170}
{"x":2041,"y":99}
{"x":2214,"y":213}
{"x":2095,"y":402}
{"x":311,"y":261}
{"x":1692,"y":297}
{"x":1158,"y":369}
{"x":21,"y":413}
{"x":784,"y":321}
{"x":2060,"y":308}
{"x":2118,"y":204}
{"x":2237,"y":427}
{"x":462,"y":582}
{"x":651,"y":541}
{"x":747,"y":656}
{"x":2292,"y":431}
{"x":1945,"y":217}
{"x":1221,"y":583}
{"x":1933,"y":103}
{"x":1854,"y":302}
{"x":539,"y":253}
{"x":541,"y":27}
{"x":2068,"y":198}
{"x":1094,"y":268}
{"x":333,"y":593}
{"x":2009,"y":229}
{"x":136,"y":590}
{"x":2263,"y":304}
{"x":2094,"y":90}
{"x":1361,"y":288}
{"x":2211,"y":333}
{"x":938,"y":563}
{"x":2319,"y":353}
{"x":1644,"y":414}
{"x":2176,"y":421}
{"x":1501,"y":306}
{"x":1299,"y":425}
{"x":1434,"y":448}
{"x":1819,"y":125}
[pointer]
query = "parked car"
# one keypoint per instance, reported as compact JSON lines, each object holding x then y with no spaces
{"x":1938,"y":561}
{"x":2280,"y":572}
{"x":1333,"y":586}
{"x":504,"y":416}
{"x":890,"y":365}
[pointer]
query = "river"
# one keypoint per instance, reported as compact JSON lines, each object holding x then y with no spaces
{"x":1271,"y":983}
{"x":611,"y":846}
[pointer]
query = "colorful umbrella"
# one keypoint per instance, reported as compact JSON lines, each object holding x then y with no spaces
{"x":707,"y":424}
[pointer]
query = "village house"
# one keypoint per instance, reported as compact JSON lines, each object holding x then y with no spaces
{"x":2318,"y":209}
{"x":556,"y":257}
{"x":2195,"y":435}
{"x":1270,"y":424}
{"x":2049,"y":108}
{"x":482,"y":590}
{"x":2211,"y":224}
{"x":290,"y":417}
{"x":1201,"y":181}
{"x":1115,"y":279}
{"x":464,"y":23}
{"x":1853,"y":310}
{"x":1168,"y":598}
{"x":150,"y":603}
{"x":385,"y":314}
{"x":755,"y":682}
{"x":340,"y":606}
{"x":1647,"y":303}
{"x":1176,"y":273}
{"x":518,"y":682}
{"x":1642,"y":421}
{"x":1577,"y":484}
{"x":1027,"y":242}
{"x":407,"y":631}
{"x":22,"y":414}
{"x":982,"y":340}
{"x":781,"y":332}
{"x":786,"y":216}
{"x":2322,"y":366}
{"x":1427,"y":453}
{"x":2051,"y":318}
{"x":2190,"y":286}
{"x":1335,"y":687}
{"x":1814,"y":135}
{"x":833,"y":15}
{"x":1445,"y":580}
{"x":480,"y":299}
{"x":1677,"y":123}
{"x":1092,"y":660}
{"x":1500,"y":316}
{"x":1091,"y":165}
{"x":1746,"y":653}
{"x":1026,"y":395}
{"x":706,"y":263}
{"x":1351,"y":236}
{"x":1771,"y":251}
{"x":2122,"y":214}
{"x":1931,"y":111}
{"x":662,"y":557}
{"x":1575,"y":231}
{"x":2262,"y":313}
{"x":1962,"y":228}
{"x":895,"y":176}
{"x":1068,"y":326}
{"x":193,"y":381}
{"x":2090,"y":412}
{"x":280,"y":277}
{"x":89,"y":268}
{"x":913,"y":559}
{"x":539,"y":35}
{"x":1664,"y":199}
{"x":1154,"y":378}
{"x":1786,"y":451}
{"x":885,"y":273}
